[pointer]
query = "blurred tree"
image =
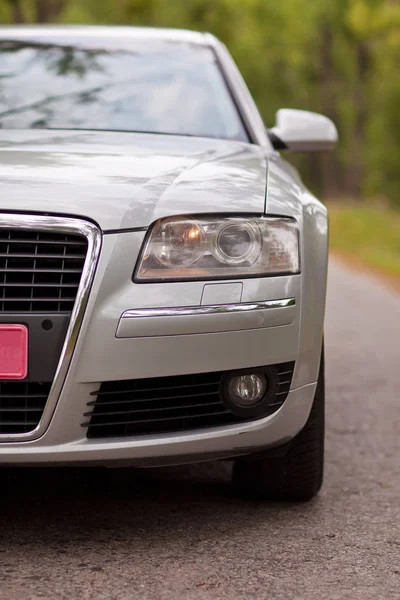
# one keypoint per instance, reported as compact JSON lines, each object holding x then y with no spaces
{"x":47,"y":11}
{"x":17,"y":14}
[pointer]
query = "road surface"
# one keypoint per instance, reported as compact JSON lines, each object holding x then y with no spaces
{"x":177,"y":533}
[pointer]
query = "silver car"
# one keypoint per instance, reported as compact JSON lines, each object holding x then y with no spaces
{"x":162,"y":269}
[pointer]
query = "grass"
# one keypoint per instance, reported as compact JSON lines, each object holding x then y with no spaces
{"x":367,"y":234}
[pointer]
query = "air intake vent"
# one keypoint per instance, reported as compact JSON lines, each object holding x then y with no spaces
{"x":21,"y":405}
{"x":169,"y":404}
{"x":39,"y":271}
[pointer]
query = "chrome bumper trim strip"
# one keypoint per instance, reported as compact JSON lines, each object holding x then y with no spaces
{"x":93,"y":235}
{"x":207,"y":310}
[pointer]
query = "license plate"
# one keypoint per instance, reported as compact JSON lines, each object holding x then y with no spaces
{"x":13,"y":351}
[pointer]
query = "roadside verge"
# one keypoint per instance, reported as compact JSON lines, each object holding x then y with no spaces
{"x":367,"y":237}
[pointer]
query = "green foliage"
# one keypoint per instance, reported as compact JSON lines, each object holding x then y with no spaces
{"x":339,"y":57}
{"x":368,"y":234}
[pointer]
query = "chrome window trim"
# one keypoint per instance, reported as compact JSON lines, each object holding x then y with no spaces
{"x":212,"y":309}
{"x":92,"y":233}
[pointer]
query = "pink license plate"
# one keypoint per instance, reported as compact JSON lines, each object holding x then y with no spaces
{"x":13,"y":351}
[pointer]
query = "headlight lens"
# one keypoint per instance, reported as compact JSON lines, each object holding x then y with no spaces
{"x":179,"y":248}
{"x":178,"y":243}
{"x":238,"y":243}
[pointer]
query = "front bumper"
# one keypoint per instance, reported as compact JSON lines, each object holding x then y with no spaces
{"x":169,"y":449}
{"x":100,"y":355}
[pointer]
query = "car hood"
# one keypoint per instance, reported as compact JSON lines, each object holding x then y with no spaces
{"x":128,"y":180}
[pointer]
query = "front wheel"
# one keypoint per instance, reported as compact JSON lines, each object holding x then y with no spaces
{"x":296,"y":473}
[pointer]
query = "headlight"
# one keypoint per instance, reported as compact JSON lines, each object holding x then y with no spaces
{"x":201,"y":247}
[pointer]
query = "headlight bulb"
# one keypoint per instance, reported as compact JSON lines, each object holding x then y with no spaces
{"x":179,"y":243}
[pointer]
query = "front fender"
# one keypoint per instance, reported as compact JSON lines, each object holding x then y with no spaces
{"x":286,"y":195}
{"x":315,"y":243}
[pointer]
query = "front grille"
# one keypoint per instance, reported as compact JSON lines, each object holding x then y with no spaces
{"x":170,"y":404}
{"x":21,"y":405}
{"x":39,"y":271}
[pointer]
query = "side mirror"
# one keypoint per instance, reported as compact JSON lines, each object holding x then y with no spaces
{"x":302,"y":131}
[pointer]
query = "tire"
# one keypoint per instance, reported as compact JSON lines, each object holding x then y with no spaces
{"x":293,"y":472}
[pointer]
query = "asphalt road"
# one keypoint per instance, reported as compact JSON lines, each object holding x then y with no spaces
{"x":177,"y":533}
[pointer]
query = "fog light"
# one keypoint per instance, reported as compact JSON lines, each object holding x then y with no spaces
{"x":247,"y":390}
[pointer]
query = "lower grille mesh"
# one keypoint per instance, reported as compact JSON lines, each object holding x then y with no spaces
{"x":169,"y":404}
{"x":21,"y":405}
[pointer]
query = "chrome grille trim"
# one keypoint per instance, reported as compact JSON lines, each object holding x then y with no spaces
{"x":66,"y":226}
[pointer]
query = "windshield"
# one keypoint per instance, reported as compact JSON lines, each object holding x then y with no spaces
{"x":178,"y":90}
